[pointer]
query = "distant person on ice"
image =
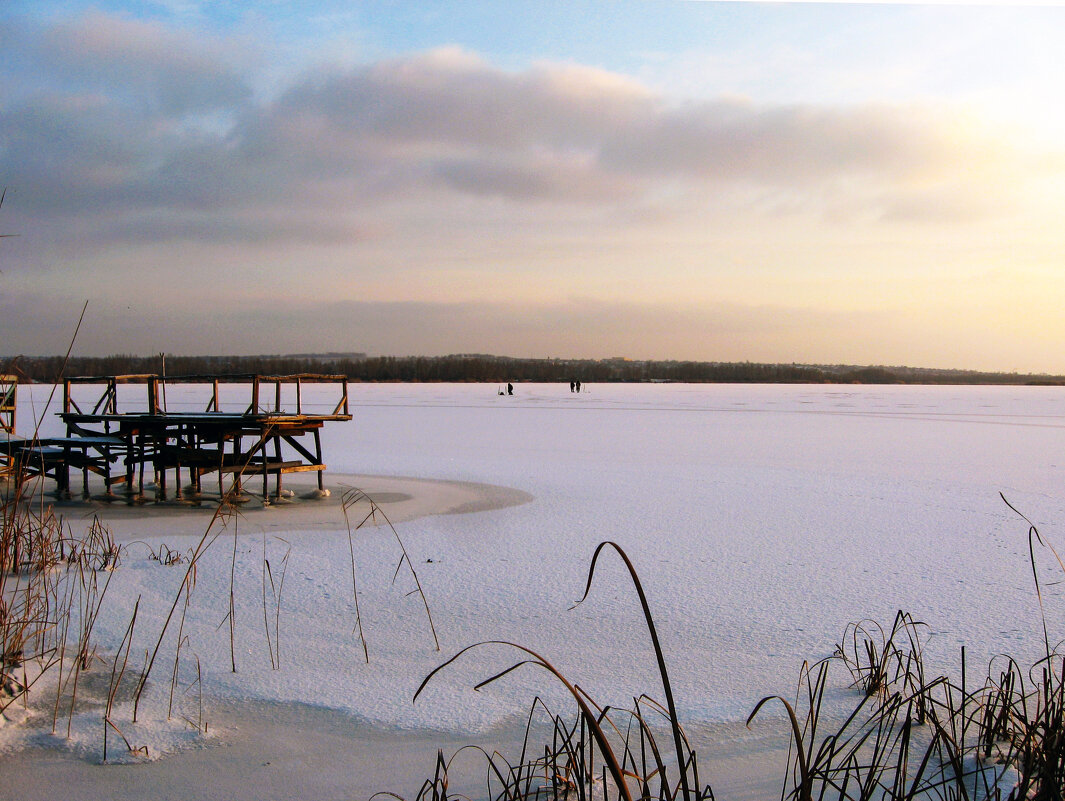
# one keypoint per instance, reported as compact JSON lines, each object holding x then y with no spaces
{"x":578,"y":383}
{"x":571,"y":386}
{"x":510,"y":388}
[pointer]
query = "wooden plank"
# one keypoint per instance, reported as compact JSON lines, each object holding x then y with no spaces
{"x":90,"y":441}
{"x":257,"y":468}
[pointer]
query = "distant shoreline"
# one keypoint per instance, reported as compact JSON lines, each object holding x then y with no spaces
{"x":485,"y":368}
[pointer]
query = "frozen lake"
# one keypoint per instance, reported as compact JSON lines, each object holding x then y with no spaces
{"x":762,"y":520}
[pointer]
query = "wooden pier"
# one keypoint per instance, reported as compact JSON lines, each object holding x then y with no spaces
{"x":260,"y":429}
{"x":8,"y":406}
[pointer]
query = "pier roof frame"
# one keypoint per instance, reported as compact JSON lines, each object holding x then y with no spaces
{"x":236,"y":378}
{"x":107,"y":403}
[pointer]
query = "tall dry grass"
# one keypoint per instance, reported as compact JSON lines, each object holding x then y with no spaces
{"x":52,"y":586}
{"x":907,"y":736}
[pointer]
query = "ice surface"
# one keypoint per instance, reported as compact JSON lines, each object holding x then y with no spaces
{"x":761,"y":519}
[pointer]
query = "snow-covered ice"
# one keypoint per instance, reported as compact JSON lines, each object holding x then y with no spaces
{"x":761,"y":518}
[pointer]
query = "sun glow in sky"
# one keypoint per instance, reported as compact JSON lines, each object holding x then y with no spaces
{"x":874,"y":184}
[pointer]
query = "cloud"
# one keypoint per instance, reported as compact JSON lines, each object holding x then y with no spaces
{"x":179,"y":71}
{"x":450,"y":106}
{"x":535,"y":177}
{"x":448,"y":97}
{"x":116,"y":138}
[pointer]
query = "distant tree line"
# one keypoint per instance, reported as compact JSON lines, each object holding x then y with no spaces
{"x":486,"y":368}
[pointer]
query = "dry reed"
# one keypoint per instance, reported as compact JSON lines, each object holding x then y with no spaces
{"x":906,"y":737}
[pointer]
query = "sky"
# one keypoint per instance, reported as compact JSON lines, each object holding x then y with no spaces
{"x":787,"y":182}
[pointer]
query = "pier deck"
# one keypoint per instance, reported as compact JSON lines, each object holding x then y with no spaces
{"x":122,"y":445}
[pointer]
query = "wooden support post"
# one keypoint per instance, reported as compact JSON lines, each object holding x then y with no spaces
{"x":62,"y":472}
{"x":131,"y":461}
{"x":318,"y":455}
{"x":62,"y":487}
{"x":238,"y":458}
{"x":194,"y":473}
{"x":85,"y":473}
{"x":141,"y":459}
{"x":108,"y":494}
{"x":266,"y":473}
{"x":159,"y":462}
{"x":277,"y":457}
{"x":221,"y":464}
{"x":177,"y":464}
